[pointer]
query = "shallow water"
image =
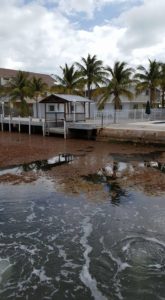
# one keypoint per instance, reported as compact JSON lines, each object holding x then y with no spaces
{"x":54,"y":245}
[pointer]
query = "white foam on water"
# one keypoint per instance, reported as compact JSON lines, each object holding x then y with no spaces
{"x":42,"y":208}
{"x":156,"y":266}
{"x":41,"y":274}
{"x":32,"y":233}
{"x":74,"y":238}
{"x":31,"y":217}
{"x":53,"y":237}
{"x":126,"y":247}
{"x":85,"y":275}
{"x":62,"y":252}
{"x":2,"y":234}
{"x":132,"y":239}
{"x":4,"y":266}
{"x":120,"y":265}
{"x":26,"y":249}
{"x":50,"y":248}
{"x":154,"y":240}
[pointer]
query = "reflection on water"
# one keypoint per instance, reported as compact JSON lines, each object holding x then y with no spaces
{"x":106,"y":176}
{"x":39,"y":165}
{"x":56,"y":245}
{"x":156,"y":165}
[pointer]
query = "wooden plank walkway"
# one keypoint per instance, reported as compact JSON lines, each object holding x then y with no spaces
{"x":47,"y":127}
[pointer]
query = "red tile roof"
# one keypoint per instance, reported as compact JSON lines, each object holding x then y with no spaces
{"x":12,"y":73}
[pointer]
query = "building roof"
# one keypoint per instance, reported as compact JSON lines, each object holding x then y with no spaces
{"x":12,"y":73}
{"x":63,"y":98}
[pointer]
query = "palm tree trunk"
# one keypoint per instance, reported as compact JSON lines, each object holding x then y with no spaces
{"x":89,"y":90}
{"x":152,"y":97}
{"x":114,"y":117}
{"x":36,"y":108}
{"x":163,"y":100}
{"x":115,"y":108}
{"x":22,"y":107}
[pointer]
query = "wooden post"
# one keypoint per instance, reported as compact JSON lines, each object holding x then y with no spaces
{"x":65,"y":111}
{"x":84,"y":112}
{"x":74,"y":112}
{"x":65,"y":129}
{"x":2,"y":122}
{"x":45,"y":112}
{"x":9,"y":123}
{"x":102,"y":120}
{"x":89,"y":108}
{"x":29,"y":125}
{"x":19,"y":125}
{"x":43,"y":128}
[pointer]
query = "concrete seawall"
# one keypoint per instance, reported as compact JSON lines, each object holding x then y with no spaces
{"x":138,"y":133}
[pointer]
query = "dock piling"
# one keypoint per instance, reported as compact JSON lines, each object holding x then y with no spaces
{"x":19,"y":125}
{"x":2,"y":122}
{"x":43,"y":128}
{"x":29,"y":125}
{"x":10,"y":123}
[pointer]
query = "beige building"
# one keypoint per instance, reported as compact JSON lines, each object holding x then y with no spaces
{"x":7,"y":74}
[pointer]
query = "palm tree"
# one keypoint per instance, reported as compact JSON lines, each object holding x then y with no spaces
{"x":162,"y":83}
{"x":118,"y":85}
{"x":92,"y":72}
{"x":20,"y":90}
{"x":37,"y":88}
{"x":148,"y":79}
{"x":4,"y":98}
{"x":70,"y":80}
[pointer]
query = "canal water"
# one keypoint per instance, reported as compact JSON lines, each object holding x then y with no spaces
{"x":103,"y":239}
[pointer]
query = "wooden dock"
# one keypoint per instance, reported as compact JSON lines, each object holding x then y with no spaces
{"x":18,"y":122}
{"x":49,"y":127}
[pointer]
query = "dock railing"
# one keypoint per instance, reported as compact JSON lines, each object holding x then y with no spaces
{"x":19,"y":121}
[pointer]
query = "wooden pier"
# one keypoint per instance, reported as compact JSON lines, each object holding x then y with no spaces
{"x":19,"y":122}
{"x":67,"y":129}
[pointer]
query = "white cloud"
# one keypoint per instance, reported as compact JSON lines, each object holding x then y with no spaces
{"x":36,"y":38}
{"x":145,"y":25}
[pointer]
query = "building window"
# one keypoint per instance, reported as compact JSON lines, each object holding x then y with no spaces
{"x":51,"y":108}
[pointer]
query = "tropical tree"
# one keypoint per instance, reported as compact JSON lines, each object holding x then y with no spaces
{"x":37,"y":88}
{"x":20,"y":90}
{"x":70,"y":81}
{"x":92,"y":72}
{"x":118,"y":85}
{"x":148,"y":79}
{"x":4,"y":98}
{"x":162,"y":83}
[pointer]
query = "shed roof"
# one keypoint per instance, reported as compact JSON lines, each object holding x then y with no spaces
{"x":62,"y":98}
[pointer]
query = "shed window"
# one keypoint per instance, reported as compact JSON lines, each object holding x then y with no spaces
{"x":51,"y":108}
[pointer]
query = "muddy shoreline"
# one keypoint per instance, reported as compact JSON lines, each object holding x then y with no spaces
{"x":90,"y":159}
{"x":20,"y":148}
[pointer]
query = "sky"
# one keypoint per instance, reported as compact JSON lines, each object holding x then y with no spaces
{"x":42,"y":35}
